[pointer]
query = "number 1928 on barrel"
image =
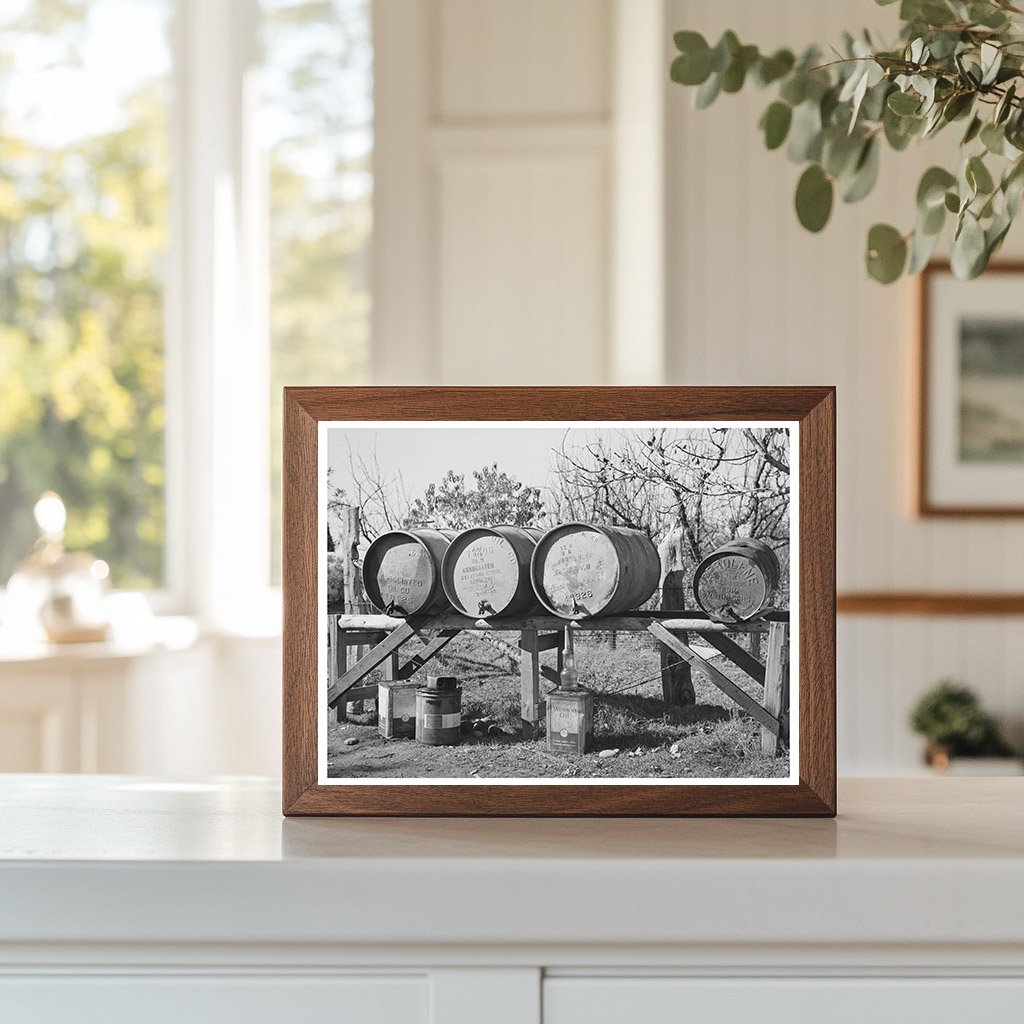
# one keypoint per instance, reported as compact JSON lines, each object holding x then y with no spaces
{"x":559,"y":601}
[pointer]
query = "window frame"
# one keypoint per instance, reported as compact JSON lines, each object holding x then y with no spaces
{"x":216,"y":347}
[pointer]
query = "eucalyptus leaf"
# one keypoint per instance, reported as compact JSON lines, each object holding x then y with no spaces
{"x":904,"y":103}
{"x":794,"y":88}
{"x":978,"y":176}
{"x":987,"y":15}
{"x":973,"y":130}
{"x":805,"y":133}
{"x":814,"y":195}
{"x":840,"y":152}
{"x":1005,"y":105}
{"x":724,"y":51}
{"x":865,"y":173}
{"x":771,"y":69}
{"x":922,"y":248}
{"x":991,"y":60}
{"x":958,"y":105}
{"x":735,"y":74}
{"x":968,"y":248}
{"x":932,"y":220}
{"x":931,"y":190}
{"x":886,"y":253}
{"x":707,"y":93}
{"x":993,"y":138}
{"x":775,"y":124}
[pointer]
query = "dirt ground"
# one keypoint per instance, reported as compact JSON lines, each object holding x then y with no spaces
{"x":712,"y":739}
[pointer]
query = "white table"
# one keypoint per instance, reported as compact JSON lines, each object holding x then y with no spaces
{"x":197,"y":902}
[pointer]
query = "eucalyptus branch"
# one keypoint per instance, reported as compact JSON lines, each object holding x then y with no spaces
{"x":955,"y":61}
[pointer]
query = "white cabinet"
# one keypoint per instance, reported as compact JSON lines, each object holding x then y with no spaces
{"x":202,"y":999}
{"x":126,"y":899}
{"x":828,"y":1000}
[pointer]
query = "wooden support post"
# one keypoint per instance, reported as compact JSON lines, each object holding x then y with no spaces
{"x":736,"y":654}
{"x":550,"y":641}
{"x":394,"y":640}
{"x":676,"y":677}
{"x":355,"y":707}
{"x":529,"y":681}
{"x":339,"y":660}
{"x":714,"y":675}
{"x":776,"y":688}
{"x":431,"y":647}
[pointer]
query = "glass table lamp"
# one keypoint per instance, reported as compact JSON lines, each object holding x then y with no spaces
{"x":59,"y":594}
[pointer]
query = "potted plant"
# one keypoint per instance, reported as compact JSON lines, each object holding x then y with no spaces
{"x":950,"y":718}
{"x":956,"y":62}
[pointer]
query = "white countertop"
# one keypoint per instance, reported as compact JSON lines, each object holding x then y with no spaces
{"x":119,"y":859}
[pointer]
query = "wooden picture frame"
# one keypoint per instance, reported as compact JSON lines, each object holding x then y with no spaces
{"x":935,"y":477}
{"x":812,"y":792}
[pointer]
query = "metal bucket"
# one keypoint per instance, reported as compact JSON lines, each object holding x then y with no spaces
{"x":486,"y":571}
{"x":439,"y":712}
{"x":402,"y":572}
{"x":736,"y":582}
{"x":580,"y":570}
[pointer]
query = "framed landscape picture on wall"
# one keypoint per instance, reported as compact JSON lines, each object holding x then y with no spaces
{"x":559,"y":601}
{"x":970,"y":444}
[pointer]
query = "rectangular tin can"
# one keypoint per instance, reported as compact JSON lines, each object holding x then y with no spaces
{"x":396,"y":709}
{"x":570,"y":721}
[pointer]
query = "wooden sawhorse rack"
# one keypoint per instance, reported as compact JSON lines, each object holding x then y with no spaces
{"x":417,"y":640}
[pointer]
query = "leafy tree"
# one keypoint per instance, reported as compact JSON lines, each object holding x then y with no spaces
{"x":957,"y":61}
{"x":496,"y":499}
{"x":688,"y":491}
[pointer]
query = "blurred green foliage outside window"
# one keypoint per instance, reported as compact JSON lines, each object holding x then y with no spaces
{"x":317,"y":85}
{"x":85,"y":109}
{"x":83,"y":235}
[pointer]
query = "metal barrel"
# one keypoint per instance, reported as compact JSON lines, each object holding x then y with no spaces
{"x":402,"y":572}
{"x":439,"y":712}
{"x":486,"y":571}
{"x":736,"y":582}
{"x":580,"y":570}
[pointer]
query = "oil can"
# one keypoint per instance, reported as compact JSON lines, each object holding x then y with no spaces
{"x":439,"y":711}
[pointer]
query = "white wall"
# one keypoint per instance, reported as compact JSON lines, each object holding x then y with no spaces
{"x":754,"y":299}
{"x":538,"y":221}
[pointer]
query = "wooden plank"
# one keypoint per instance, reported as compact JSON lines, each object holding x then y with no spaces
{"x":358,"y":638}
{"x":775,"y":686}
{"x":722,"y":681}
{"x":550,"y":641}
{"x":929,"y":603}
{"x":358,"y":694}
{"x":736,"y":654}
{"x":529,"y":682}
{"x":371,"y":660}
{"x":432,"y":647}
{"x":693,"y":621}
{"x":676,"y":676}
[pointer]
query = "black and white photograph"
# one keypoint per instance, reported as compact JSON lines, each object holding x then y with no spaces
{"x":538,"y":602}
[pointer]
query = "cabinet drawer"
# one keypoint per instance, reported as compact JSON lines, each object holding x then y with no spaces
{"x":202,"y":999}
{"x":573,"y":1000}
